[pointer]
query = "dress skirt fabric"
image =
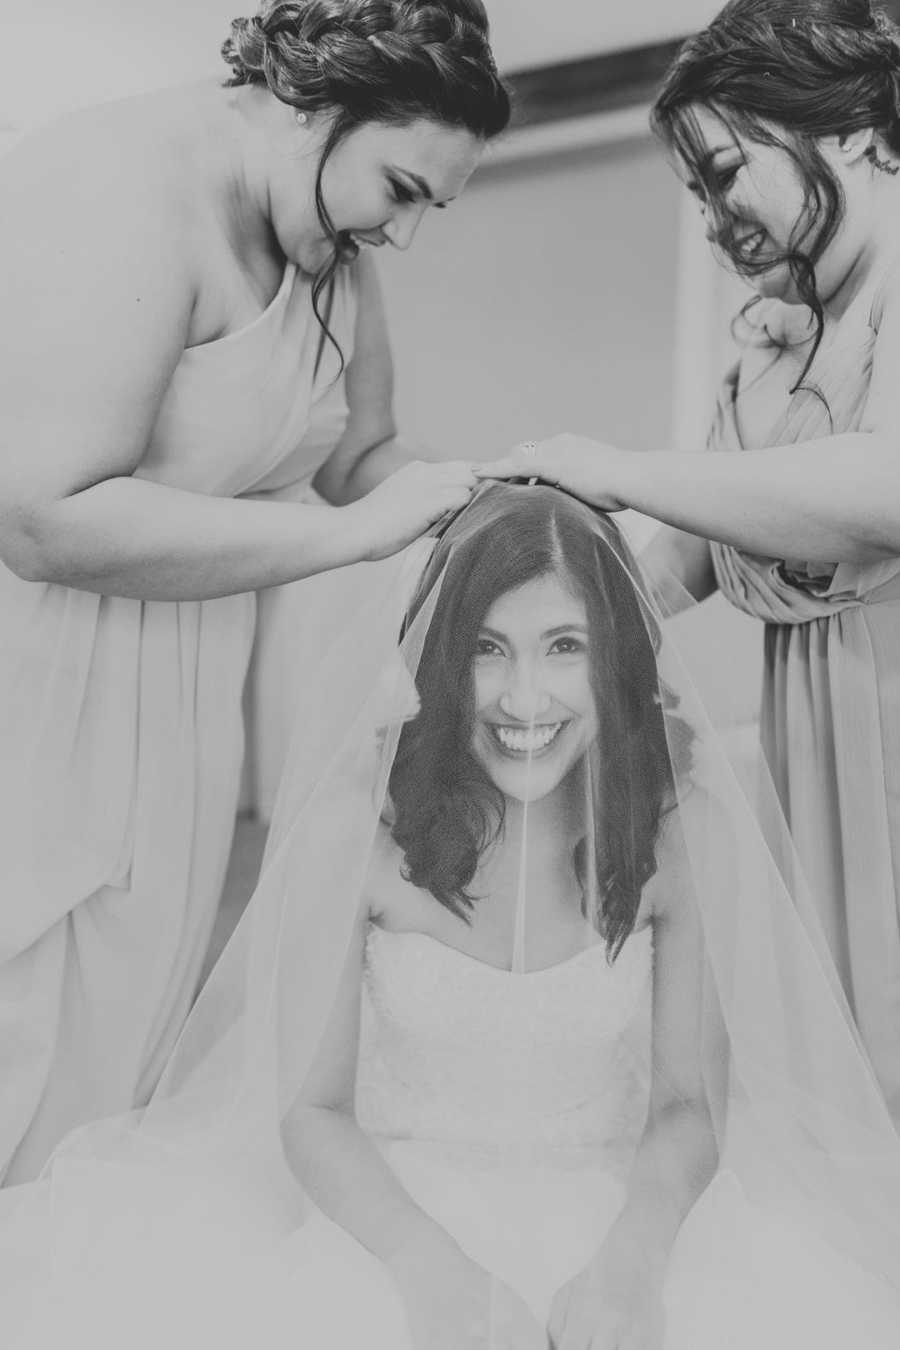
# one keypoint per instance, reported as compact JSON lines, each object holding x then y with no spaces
{"x":122,"y":742}
{"x":830,"y":715}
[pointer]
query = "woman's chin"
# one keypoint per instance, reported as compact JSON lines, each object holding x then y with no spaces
{"x":524,"y":782}
{"x":776,"y":283}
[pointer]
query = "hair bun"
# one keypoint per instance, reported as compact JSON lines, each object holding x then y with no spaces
{"x":375,"y":60}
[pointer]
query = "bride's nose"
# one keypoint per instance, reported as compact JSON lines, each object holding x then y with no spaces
{"x":523,"y":698}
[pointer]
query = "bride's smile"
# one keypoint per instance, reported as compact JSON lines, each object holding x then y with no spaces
{"x":526,"y":740}
{"x":534,"y":704}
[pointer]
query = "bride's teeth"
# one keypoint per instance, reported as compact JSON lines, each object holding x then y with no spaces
{"x":537,"y":738}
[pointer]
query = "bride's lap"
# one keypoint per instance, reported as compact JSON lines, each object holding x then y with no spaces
{"x":739,"y":1278}
{"x":532,"y":1227}
{"x":742,"y":1277}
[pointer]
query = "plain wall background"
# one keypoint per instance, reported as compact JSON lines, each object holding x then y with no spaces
{"x":543,"y":300}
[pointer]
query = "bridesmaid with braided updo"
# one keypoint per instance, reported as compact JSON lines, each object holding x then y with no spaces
{"x":783,"y":120}
{"x":195,"y":404}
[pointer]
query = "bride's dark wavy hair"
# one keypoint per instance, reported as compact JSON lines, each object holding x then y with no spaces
{"x":786,"y":73}
{"x":446,"y":809}
{"x":388,"y":61}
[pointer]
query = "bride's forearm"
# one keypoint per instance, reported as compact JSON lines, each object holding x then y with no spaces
{"x":343,"y":1172}
{"x":674,"y":1164}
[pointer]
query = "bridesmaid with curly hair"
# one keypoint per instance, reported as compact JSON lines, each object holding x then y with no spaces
{"x":195,"y":403}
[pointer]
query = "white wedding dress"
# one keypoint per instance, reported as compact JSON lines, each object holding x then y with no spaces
{"x":508,"y":1105}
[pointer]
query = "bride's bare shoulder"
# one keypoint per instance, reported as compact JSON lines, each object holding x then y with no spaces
{"x":386,"y":886}
{"x":695,"y":835}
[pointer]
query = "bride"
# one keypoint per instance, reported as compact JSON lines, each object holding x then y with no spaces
{"x":523,"y":1003}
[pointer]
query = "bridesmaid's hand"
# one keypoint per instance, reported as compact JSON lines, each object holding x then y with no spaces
{"x":599,"y":1310}
{"x":583,"y":467}
{"x":407,"y":503}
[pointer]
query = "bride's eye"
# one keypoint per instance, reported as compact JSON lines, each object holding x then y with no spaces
{"x":486,"y":646}
{"x":567,"y":646}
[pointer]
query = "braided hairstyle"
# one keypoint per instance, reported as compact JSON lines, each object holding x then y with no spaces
{"x":784,"y":73}
{"x":390,"y":61}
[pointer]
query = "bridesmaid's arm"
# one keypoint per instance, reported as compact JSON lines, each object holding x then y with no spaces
{"x":836,"y":499}
{"x":369,"y":450}
{"x":679,"y":568}
{"x":833,"y":499}
{"x":94,"y":318}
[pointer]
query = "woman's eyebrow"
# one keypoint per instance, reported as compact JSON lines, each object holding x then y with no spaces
{"x":574,"y":627}
{"x":565,"y":628}
{"x":416,"y":178}
{"x":706,"y":163}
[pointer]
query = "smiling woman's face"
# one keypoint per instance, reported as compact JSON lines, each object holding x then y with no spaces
{"x":377,"y":185}
{"x":762,"y":195}
{"x":534,"y":704}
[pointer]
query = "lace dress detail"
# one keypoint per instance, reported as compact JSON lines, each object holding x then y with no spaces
{"x":544,"y":1065}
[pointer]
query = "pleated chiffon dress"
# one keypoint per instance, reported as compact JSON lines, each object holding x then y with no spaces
{"x":830,"y":711}
{"x":122,"y":745}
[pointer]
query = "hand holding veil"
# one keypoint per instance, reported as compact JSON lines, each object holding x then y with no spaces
{"x":521,"y":976}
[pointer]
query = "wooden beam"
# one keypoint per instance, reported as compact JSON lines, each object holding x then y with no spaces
{"x":611,"y":82}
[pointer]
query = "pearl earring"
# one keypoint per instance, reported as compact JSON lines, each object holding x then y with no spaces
{"x":302,"y":118}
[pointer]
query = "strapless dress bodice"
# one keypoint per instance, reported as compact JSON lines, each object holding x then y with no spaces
{"x":544,"y":1063}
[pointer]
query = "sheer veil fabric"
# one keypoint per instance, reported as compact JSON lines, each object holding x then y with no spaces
{"x":506,"y":818}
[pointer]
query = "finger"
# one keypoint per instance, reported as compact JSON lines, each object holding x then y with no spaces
{"x":462,"y":467}
{"x":444,"y":515}
{"x":499,"y":468}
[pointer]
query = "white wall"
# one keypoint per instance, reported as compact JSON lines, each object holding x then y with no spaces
{"x":70,"y":53}
{"x":543,"y":300}
{"x":535,"y":32}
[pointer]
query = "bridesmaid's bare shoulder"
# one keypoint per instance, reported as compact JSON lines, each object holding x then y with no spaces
{"x":99,"y":275}
{"x":385,"y":884}
{"x":131,"y":168}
